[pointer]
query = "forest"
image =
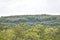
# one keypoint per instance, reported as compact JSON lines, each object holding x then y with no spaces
{"x":30,"y":27}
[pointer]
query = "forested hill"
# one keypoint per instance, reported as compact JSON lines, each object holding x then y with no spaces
{"x":30,"y":27}
{"x":51,"y":20}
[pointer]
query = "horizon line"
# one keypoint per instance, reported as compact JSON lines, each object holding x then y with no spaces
{"x":28,"y":15}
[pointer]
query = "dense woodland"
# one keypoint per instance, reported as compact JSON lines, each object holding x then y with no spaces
{"x":38,"y":27}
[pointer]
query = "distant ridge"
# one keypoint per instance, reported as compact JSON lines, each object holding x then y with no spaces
{"x":52,"y":20}
{"x":30,"y":15}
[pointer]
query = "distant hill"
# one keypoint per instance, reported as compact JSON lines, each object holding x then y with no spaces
{"x":48,"y":20}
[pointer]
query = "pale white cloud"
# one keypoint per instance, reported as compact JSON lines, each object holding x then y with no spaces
{"x":53,"y":6}
{"x":16,"y":7}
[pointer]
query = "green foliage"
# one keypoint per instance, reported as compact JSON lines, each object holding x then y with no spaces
{"x":50,"y":20}
{"x":36,"y":32}
{"x":36,"y":27}
{"x":6,"y":34}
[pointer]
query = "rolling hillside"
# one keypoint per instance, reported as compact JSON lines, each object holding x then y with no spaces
{"x":30,"y":27}
{"x":48,"y":20}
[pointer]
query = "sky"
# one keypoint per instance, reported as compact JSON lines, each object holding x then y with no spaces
{"x":29,"y":7}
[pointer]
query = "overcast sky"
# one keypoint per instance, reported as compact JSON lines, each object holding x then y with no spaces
{"x":26,"y":7}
